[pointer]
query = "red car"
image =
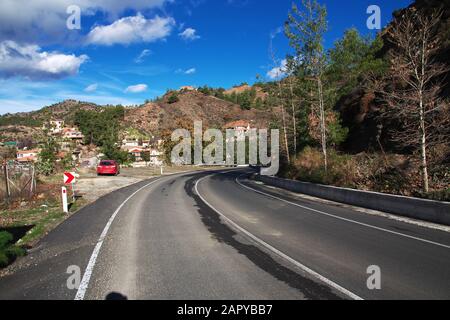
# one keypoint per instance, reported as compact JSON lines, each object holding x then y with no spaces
{"x":109,"y":167}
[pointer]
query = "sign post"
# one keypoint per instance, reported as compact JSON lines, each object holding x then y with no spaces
{"x":64,"y":200}
{"x":69,"y":179}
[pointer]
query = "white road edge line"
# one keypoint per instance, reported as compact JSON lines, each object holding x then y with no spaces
{"x":340,"y":218}
{"x":278,"y":252}
{"x":90,"y":267}
{"x":91,"y":264}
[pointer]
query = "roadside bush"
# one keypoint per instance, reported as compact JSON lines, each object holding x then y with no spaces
{"x":442,"y":195}
{"x":113,"y":152}
{"x":47,"y":157}
{"x":387,"y":173}
{"x":309,"y":167}
{"x":45,"y":167}
{"x":8,"y":251}
{"x":67,"y":162}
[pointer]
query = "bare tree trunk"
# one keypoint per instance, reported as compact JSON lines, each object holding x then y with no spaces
{"x":423,"y":148}
{"x":323,"y":132}
{"x":423,"y":140}
{"x":272,"y":54}
{"x":7,"y":190}
{"x":284,"y":123}
{"x":294,"y":118}
{"x":424,"y":163}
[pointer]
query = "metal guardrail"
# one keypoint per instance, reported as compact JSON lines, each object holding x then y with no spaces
{"x":416,"y":208}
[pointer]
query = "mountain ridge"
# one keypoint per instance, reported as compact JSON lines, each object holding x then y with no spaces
{"x":151,"y":117}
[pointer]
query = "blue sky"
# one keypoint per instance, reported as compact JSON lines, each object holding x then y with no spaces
{"x":129,"y":51}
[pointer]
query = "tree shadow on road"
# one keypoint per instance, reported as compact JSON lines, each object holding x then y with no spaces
{"x":311,"y":289}
{"x":116,"y":296}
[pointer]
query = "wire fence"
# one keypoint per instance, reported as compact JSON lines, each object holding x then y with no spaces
{"x":17,"y":182}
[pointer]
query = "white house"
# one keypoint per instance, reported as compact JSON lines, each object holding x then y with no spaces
{"x":27,"y":155}
{"x":73,"y":134}
{"x":54,"y":126}
{"x":130,"y":143}
{"x":241,"y":128}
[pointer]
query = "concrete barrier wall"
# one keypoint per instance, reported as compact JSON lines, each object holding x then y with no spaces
{"x":427,"y":210}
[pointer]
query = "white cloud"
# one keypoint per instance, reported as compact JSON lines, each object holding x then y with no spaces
{"x":91,"y":88}
{"x":189,"y":34}
{"x":187,"y":71}
{"x":276,"y":32}
{"x":30,"y":62}
{"x":278,"y":72}
{"x":44,"y":21}
{"x":142,"y":55}
{"x":138,"y":88}
{"x":132,"y":29}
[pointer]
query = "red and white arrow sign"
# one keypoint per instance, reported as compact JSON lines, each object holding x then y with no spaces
{"x":69,"y":177}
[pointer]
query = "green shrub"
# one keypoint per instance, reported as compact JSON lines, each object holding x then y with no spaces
{"x":113,"y":152}
{"x":3,"y":259}
{"x":173,"y":98}
{"x":47,"y":157}
{"x":8,"y":251}
{"x":16,"y":120}
{"x":5,"y":238}
{"x":45,"y":167}
{"x":67,"y":161}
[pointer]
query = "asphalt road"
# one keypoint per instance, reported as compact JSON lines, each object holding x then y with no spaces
{"x":218,"y":235}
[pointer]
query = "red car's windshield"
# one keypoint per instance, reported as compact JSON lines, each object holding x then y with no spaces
{"x":106,"y":163}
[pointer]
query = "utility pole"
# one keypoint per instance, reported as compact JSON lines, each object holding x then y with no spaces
{"x":32,"y":182}
{"x":8,"y":192}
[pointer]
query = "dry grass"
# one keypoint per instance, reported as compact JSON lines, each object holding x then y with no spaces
{"x":308,"y":166}
{"x":391,"y":173}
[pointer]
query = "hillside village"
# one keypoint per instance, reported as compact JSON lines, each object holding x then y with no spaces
{"x":135,"y":138}
{"x":71,"y":147}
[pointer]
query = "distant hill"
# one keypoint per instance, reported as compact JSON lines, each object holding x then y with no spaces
{"x":29,"y":124}
{"x":64,"y":110}
{"x":155,"y":117}
{"x":151,"y":118}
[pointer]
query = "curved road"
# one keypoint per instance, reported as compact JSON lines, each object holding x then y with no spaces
{"x":218,"y":235}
